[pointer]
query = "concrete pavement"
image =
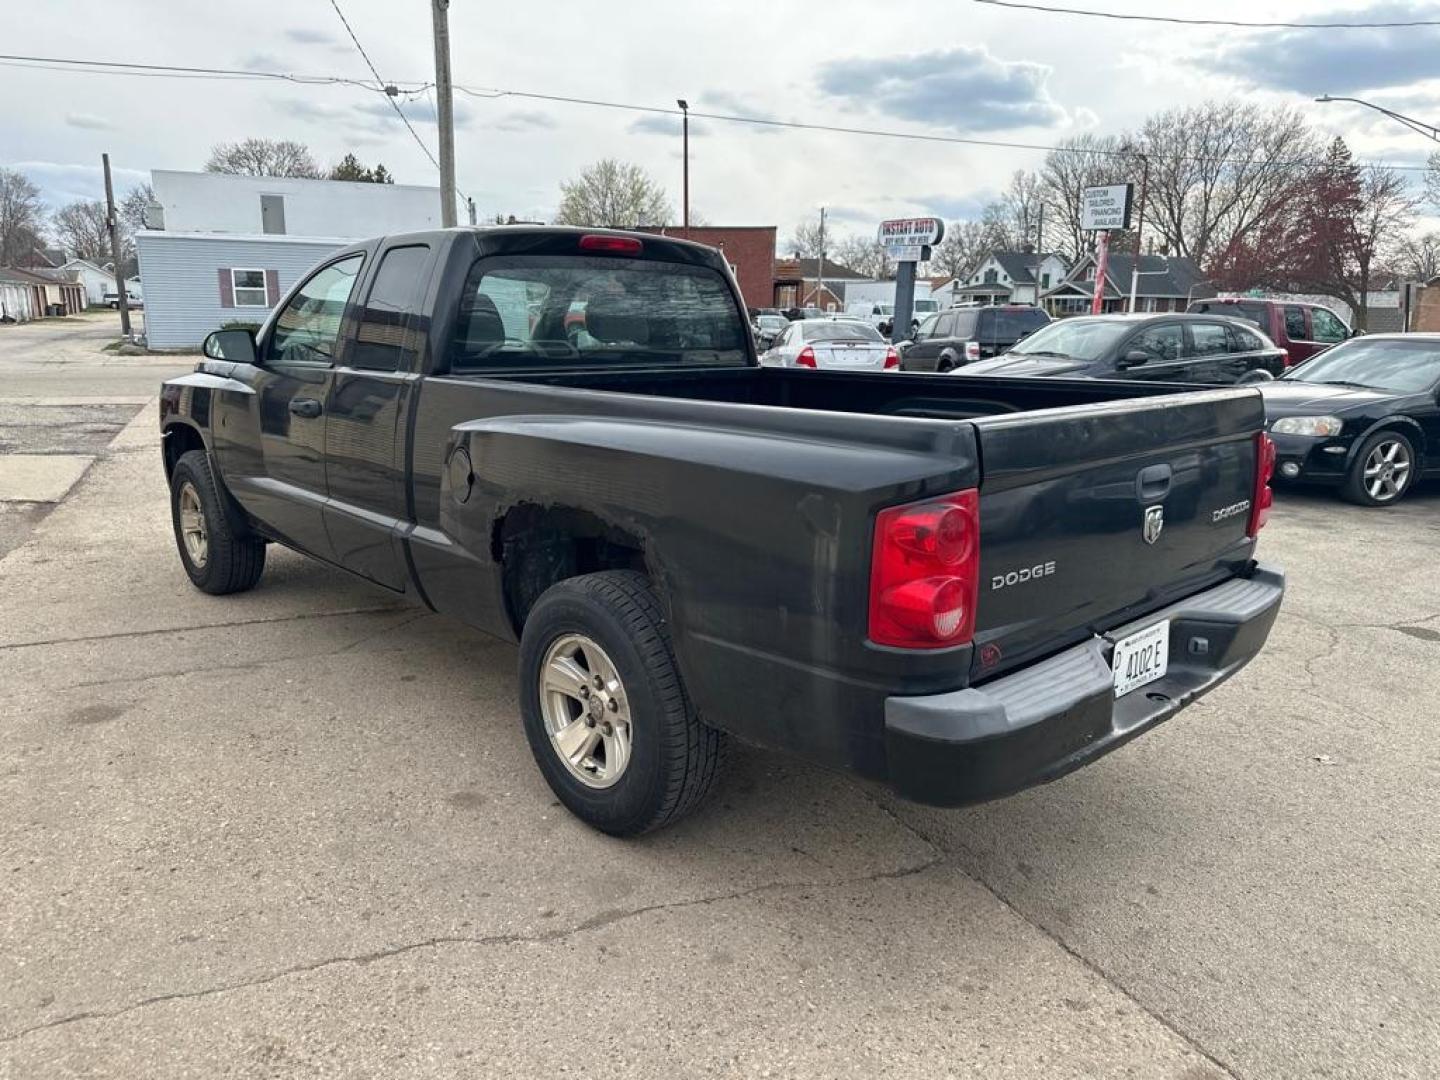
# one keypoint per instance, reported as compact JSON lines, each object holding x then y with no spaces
{"x":298,"y":832}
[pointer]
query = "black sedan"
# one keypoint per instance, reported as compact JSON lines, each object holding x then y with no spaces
{"x":1362,"y":416}
{"x":1152,"y":348}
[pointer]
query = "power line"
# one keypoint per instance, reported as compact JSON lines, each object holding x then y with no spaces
{"x":1212,"y":22}
{"x":389,"y":96}
{"x":416,"y":88}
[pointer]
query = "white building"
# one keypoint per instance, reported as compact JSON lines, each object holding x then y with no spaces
{"x":225,"y":248}
{"x":98,"y":280}
{"x":1004,"y":277}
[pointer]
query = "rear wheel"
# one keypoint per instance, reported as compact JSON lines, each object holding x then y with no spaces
{"x":1382,"y":471}
{"x":215,"y":558}
{"x":606,"y":716}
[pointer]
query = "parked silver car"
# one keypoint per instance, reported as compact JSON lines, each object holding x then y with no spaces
{"x":841,"y":344}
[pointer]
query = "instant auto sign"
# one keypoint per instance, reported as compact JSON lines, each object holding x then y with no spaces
{"x":904,"y":239}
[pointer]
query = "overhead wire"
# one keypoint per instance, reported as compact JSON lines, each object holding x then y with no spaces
{"x":1184,"y":21}
{"x":414,"y":87}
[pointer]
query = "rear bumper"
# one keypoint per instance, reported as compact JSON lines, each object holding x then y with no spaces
{"x":1054,"y":716}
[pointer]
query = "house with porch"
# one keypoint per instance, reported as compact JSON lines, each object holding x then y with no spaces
{"x":1003,"y":277}
{"x":1165,"y":283}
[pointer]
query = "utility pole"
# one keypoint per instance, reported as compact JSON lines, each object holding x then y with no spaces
{"x":470,"y":208}
{"x":820,"y":268}
{"x":445,"y":110}
{"x":685,"y":128}
{"x":1039,"y":249}
{"x":113,"y":220}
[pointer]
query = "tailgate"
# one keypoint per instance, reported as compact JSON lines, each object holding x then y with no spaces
{"x":1065,"y":494}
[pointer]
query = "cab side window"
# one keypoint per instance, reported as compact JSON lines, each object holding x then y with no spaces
{"x":1295,"y":323}
{"x":307,"y":328}
{"x":389,"y":335}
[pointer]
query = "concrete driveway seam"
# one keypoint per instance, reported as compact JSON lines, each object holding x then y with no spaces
{"x":595,"y":922}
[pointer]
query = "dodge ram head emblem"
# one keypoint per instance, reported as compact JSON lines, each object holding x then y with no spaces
{"x":1154,"y":523}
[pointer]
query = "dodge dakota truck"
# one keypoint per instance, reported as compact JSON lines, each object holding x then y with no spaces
{"x":562,"y":437}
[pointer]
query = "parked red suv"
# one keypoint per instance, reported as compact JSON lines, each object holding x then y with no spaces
{"x":1300,"y":329}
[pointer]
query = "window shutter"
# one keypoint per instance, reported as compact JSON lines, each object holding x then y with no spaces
{"x":272,"y":287}
{"x":227,"y":289}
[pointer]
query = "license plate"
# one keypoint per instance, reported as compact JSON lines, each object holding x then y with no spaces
{"x":1141,"y":658}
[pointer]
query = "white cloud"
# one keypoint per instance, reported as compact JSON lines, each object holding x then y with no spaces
{"x":88,"y":121}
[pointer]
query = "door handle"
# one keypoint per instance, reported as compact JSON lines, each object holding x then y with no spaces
{"x":304,"y":406}
{"x":1153,"y":483}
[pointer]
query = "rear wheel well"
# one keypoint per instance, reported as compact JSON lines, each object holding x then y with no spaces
{"x":180,"y":439}
{"x":538,"y":546}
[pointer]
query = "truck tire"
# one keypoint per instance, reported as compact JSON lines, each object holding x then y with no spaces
{"x":1383,"y":470}
{"x":605,"y":713}
{"x":217,"y":560}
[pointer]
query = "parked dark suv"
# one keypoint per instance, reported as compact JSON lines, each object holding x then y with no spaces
{"x":1300,"y":329}
{"x":962,"y":335}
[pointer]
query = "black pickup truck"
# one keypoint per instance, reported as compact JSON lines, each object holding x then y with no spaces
{"x":562,"y":437}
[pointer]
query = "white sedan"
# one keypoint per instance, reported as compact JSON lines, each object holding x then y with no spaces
{"x":838,"y":344}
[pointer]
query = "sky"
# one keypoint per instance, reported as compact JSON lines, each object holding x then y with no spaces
{"x":946,"y":67}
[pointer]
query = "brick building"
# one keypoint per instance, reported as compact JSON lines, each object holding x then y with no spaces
{"x":749,"y":249}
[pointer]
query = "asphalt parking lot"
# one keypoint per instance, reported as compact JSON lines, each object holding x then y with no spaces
{"x":297,"y":832}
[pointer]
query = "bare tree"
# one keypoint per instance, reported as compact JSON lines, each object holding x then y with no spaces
{"x":83,"y":229}
{"x":863,"y":254}
{"x":613,"y":194}
{"x":264,"y":157}
{"x":134,"y":206}
{"x":1218,"y":170}
{"x":21,"y":215}
{"x":1432,"y":178}
{"x":1084,"y":161}
{"x":805,"y":242}
{"x":965,"y":244}
{"x":1417,"y":258}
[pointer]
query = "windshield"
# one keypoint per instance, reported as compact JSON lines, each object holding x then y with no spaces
{"x":1082,"y":339}
{"x":1406,"y":367}
{"x":1249,"y":311}
{"x":925,"y":306}
{"x":841,"y":330}
{"x":544,"y":311}
{"x":772,"y":322}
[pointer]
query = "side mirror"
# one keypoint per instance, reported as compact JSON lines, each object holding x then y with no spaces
{"x":237,"y":346}
{"x":1133,"y":358}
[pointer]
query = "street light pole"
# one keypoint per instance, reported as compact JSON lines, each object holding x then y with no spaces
{"x":1430,"y":131}
{"x":685,"y":129}
{"x":444,"y":110}
{"x":1139,"y":231}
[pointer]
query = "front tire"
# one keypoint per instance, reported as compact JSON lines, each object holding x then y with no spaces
{"x":1383,"y":470}
{"x":215,"y":558}
{"x":605,"y":712}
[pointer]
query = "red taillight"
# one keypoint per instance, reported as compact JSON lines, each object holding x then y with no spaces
{"x":972,"y":351}
{"x":806,"y":358}
{"x":925,"y":573}
{"x":615,"y":245}
{"x":1263,"y":498}
{"x":892,"y":358}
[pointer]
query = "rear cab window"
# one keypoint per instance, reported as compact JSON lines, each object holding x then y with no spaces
{"x":523,"y":313}
{"x":1008,"y":326}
